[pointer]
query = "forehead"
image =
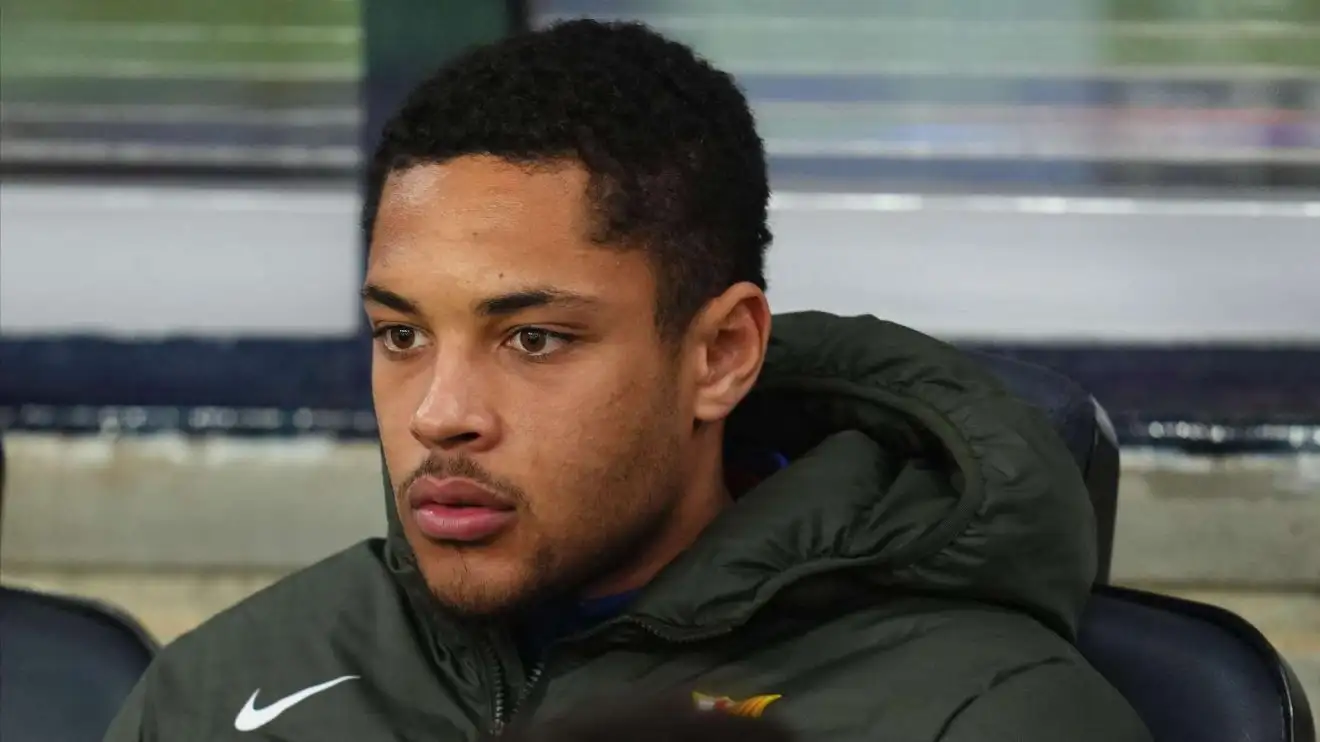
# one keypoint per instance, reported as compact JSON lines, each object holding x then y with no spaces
{"x":480,"y":196}
{"x":486,"y":220}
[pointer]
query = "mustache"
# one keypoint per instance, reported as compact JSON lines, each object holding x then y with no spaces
{"x":463,"y":467}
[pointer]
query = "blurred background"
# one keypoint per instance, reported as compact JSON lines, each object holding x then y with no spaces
{"x":1127,"y":191}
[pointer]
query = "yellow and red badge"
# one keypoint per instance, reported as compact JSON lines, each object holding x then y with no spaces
{"x":752,"y":707}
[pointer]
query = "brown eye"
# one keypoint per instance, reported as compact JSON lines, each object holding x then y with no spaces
{"x":400,"y":338}
{"x":532,"y":340}
{"x":536,"y":342}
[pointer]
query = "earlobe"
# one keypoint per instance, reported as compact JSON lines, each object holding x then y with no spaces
{"x":734,"y":331}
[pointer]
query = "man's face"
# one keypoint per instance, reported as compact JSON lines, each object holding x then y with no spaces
{"x":514,"y":354}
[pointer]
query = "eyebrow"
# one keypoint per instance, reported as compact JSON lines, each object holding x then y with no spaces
{"x":517,"y":301}
{"x":502,"y":305}
{"x":376,"y":295}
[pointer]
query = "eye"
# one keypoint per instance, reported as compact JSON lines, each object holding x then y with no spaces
{"x":400,"y":338}
{"x":537,"y":342}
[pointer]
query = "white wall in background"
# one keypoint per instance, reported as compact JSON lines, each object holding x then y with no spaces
{"x":177,"y":261}
{"x":1033,"y":268}
{"x":267,"y":262}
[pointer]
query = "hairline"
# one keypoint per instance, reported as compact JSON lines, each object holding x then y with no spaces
{"x":671,"y":326}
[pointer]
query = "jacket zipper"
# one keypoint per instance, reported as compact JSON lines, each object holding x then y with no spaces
{"x":500,"y":719}
{"x":532,"y":679}
{"x":497,"y":679}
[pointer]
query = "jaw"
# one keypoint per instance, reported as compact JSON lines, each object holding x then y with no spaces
{"x":653,"y":544}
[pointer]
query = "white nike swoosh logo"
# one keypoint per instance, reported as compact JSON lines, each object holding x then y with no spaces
{"x":251,"y":718}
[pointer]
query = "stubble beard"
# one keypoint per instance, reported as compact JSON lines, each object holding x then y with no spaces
{"x":626,"y":507}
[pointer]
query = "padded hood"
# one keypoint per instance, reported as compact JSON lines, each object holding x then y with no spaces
{"x":912,"y":471}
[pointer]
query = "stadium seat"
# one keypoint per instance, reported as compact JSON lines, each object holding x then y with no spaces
{"x":1192,"y":671}
{"x":1086,"y":429}
{"x":66,"y":666}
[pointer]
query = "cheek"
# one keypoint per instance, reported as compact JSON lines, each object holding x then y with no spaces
{"x":397,"y":392}
{"x":396,"y":400}
{"x":584,"y":439}
{"x":582,"y":413}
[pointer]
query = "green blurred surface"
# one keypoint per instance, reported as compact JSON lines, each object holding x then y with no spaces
{"x":146,"y":38}
{"x":58,"y":58}
{"x":320,"y":39}
{"x":269,"y":12}
{"x":878,"y":46}
{"x":980,"y":10}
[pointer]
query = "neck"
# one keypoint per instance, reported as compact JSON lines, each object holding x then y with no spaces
{"x":704,"y":498}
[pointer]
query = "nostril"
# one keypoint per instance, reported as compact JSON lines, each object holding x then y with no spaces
{"x":460,"y":439}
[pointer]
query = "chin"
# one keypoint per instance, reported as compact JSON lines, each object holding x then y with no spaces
{"x":474,"y":582}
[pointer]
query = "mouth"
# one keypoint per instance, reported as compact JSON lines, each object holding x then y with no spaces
{"x":458,"y":511}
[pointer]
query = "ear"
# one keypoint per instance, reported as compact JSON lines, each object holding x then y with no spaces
{"x":731,"y":334}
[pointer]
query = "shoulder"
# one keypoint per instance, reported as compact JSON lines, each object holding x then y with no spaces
{"x":932,"y":666}
{"x":315,"y":601}
{"x":332,"y":651}
{"x":314,"y":624}
{"x":1014,"y":679}
{"x":979,"y":640}
{"x":1047,"y":700}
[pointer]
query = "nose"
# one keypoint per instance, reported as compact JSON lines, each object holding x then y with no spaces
{"x":455,"y":414}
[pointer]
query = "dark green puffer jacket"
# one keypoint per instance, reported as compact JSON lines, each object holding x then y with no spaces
{"x":916,"y":574}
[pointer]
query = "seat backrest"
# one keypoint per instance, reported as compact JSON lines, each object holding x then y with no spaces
{"x":66,"y":667}
{"x":1193,"y":671}
{"x":1084,"y":427}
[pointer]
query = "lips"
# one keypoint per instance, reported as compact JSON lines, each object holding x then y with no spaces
{"x":456,"y":510}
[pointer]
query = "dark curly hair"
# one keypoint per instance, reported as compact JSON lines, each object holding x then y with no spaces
{"x":675,"y":163}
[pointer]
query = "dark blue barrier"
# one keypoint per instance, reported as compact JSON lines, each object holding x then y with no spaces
{"x":1206,"y":398}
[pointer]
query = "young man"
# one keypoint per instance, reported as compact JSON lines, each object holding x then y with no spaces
{"x":608,"y":479}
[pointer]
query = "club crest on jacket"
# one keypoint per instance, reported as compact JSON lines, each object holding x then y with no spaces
{"x":752,"y":707}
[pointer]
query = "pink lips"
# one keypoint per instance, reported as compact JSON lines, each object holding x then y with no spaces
{"x":458,"y":510}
